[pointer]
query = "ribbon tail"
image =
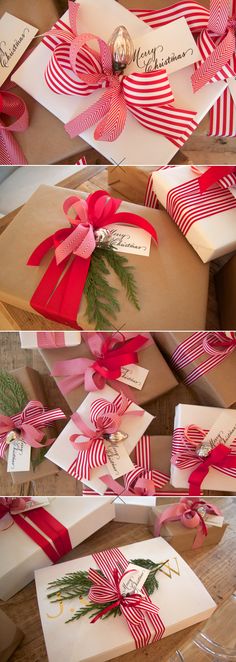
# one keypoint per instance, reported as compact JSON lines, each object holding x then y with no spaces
{"x":214,"y":62}
{"x":10,"y":152}
{"x":175,"y":124}
{"x":90,"y":116}
{"x":196,"y":478}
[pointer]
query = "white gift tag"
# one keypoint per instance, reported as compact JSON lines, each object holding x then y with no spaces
{"x":223,"y":431}
{"x":15,"y":37}
{"x":19,"y":454}
{"x":127,"y":239}
{"x":134,"y":579}
{"x":133,"y":375}
{"x":118,"y":460}
{"x":171,"y":47}
{"x":232,"y":87}
{"x":214,"y":520}
{"x":38,"y":502}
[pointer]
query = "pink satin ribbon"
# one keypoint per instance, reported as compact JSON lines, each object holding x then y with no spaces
{"x":15,"y":109}
{"x":111,"y":352}
{"x":188,"y":512}
{"x":106,"y":418}
{"x":50,"y":339}
{"x":28,"y":422}
{"x":151,"y":104}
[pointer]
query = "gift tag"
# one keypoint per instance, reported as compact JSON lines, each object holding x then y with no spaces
{"x":214,"y":520}
{"x":15,"y":37}
{"x":134,"y":579}
{"x":19,"y":454}
{"x":223,"y":431}
{"x":171,"y":47}
{"x":38,"y":502}
{"x":118,"y":460}
{"x":133,"y":375}
{"x":127,"y":239}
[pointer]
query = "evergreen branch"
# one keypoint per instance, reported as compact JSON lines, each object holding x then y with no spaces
{"x":151,"y":583}
{"x":124,"y":272}
{"x":39,"y":457}
{"x":93,"y":610}
{"x":13,"y":397}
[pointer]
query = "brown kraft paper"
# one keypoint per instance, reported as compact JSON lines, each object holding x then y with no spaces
{"x":33,"y":386}
{"x":217,"y":386}
{"x":160,"y":379}
{"x":179,"y":536}
{"x":10,"y":637}
{"x":226,"y":294}
{"x":172,"y":282}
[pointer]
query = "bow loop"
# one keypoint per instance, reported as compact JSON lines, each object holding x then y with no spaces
{"x":15,"y":109}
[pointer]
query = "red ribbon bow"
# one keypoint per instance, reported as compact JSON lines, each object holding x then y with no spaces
{"x":225,"y":176}
{"x":190,"y":512}
{"x":29,"y":422}
{"x":38,"y":524}
{"x":148,"y":96}
{"x":14,"y":108}
{"x":59,"y":293}
{"x":106,"y":418}
{"x":111,"y":352}
{"x":134,"y":607}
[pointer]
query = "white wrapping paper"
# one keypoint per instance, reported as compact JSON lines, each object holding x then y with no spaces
{"x":181,"y":598}
{"x":20,"y":556}
{"x":213,"y":235}
{"x":203,"y":417}
{"x":101,"y":18}
{"x":135,"y":509}
{"x":63,"y":453}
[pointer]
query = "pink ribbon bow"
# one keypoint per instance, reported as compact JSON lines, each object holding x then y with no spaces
{"x":111,"y":352}
{"x":29,"y":422}
{"x":135,"y":607}
{"x":106,"y":418}
{"x":8,"y":506}
{"x":143,"y":480}
{"x":148,"y":96}
{"x":14,"y":108}
{"x":190,"y":512}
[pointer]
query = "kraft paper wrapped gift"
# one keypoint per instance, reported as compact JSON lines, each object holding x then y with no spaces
{"x":33,"y":385}
{"x":49,"y":339}
{"x":10,"y":637}
{"x":204,"y":418}
{"x":65,"y":454}
{"x":181,"y":598}
{"x":217,"y":385}
{"x":172,"y":282}
{"x":181,"y":537}
{"x":126,"y":148}
{"x":81,"y":517}
{"x":226,"y":294}
{"x":214,"y":234}
{"x":159,"y":379}
{"x":129,"y":183}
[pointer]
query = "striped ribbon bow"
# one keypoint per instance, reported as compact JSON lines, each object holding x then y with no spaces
{"x":110,"y":351}
{"x":29,"y":424}
{"x":185,"y":443}
{"x":191,"y":513}
{"x":75,"y":69}
{"x":217,"y":345}
{"x":13,"y":108}
{"x":135,"y":607}
{"x":106,"y":418}
{"x":143,"y":480}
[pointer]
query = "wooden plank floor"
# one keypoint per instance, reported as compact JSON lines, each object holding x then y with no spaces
{"x":94,"y":177}
{"x":215,"y":566}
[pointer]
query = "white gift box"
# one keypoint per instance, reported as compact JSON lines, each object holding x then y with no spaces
{"x":211,"y":236}
{"x":20,"y":556}
{"x":63,"y":453}
{"x":135,"y":510}
{"x":203,"y":417}
{"x":29,"y":339}
{"x":182,"y":600}
{"x":126,"y":149}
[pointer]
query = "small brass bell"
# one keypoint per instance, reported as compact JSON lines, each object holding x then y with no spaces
{"x":11,"y":436}
{"x":116,"y":437}
{"x":204,"y":450}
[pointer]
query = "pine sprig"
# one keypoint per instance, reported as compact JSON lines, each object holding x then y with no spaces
{"x":102,"y":302}
{"x":75,"y":584}
{"x":93,"y":609}
{"x":13,"y":397}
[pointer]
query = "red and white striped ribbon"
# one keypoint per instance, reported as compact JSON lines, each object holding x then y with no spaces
{"x":216,"y":345}
{"x":33,"y":414}
{"x":113,"y":561}
{"x":196,"y":16}
{"x":95,"y":455}
{"x":143,"y":466}
{"x":187,"y":205}
{"x":184,"y":453}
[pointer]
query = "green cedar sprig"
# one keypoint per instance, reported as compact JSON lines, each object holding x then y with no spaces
{"x":77,"y":585}
{"x":101,"y":297}
{"x":13,"y":397}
